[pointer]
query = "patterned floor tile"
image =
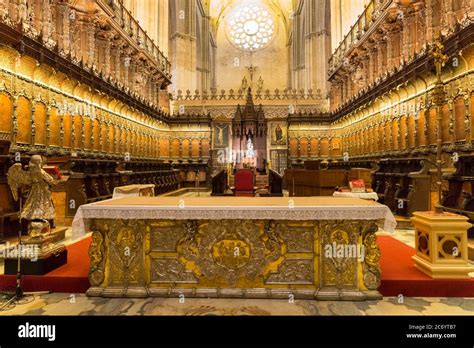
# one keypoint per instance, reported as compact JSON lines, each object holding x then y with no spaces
{"x":79,"y":304}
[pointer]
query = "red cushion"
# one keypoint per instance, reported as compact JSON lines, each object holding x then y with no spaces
{"x":244,"y":180}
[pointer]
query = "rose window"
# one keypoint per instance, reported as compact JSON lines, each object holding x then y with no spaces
{"x":250,"y":27}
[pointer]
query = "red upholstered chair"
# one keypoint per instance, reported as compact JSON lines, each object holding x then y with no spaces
{"x":244,"y":183}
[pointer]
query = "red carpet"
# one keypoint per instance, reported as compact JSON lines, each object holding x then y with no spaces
{"x":72,"y":277}
{"x":398,"y":274}
{"x":400,"y":277}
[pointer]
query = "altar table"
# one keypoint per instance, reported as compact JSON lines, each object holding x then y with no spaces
{"x":136,"y":190}
{"x":363,"y":195}
{"x":245,"y":247}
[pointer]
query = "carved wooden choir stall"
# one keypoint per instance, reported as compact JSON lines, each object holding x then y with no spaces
{"x":459,"y":196}
{"x":403,"y":184}
{"x":92,"y":180}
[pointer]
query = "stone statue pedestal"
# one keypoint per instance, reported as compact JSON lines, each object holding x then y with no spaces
{"x":441,"y":244}
{"x":39,"y":255}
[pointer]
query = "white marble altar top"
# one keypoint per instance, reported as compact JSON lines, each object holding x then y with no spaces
{"x":276,"y":208}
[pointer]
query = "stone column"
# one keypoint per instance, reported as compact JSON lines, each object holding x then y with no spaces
{"x":183,"y":44}
{"x":317,"y":44}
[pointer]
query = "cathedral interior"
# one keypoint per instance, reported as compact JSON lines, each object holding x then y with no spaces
{"x":281,"y":102}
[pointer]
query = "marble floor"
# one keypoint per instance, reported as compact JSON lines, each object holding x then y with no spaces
{"x":79,"y":304}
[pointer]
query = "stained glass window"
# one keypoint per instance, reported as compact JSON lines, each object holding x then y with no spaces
{"x":250,"y":27}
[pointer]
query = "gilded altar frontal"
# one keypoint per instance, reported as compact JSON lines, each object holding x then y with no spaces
{"x":237,"y":157}
{"x":231,"y":258}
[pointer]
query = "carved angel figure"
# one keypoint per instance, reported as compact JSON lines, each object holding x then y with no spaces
{"x":39,"y":204}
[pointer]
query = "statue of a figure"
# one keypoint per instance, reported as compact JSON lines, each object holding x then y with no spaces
{"x":245,"y":84}
{"x":38,"y":205}
{"x":260,"y":84}
{"x":250,"y":151}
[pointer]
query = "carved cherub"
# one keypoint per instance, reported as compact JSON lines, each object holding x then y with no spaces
{"x":38,"y":205}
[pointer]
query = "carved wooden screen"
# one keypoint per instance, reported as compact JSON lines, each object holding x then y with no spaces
{"x":67,"y":124}
{"x":78,"y":131}
{"x":324,"y":147}
{"x":40,"y":124}
{"x":185,"y":146}
{"x":304,"y":147}
{"x":6,"y":108}
{"x":314,"y":148}
{"x":205,"y":147}
{"x":403,"y":133}
{"x":175,"y":148}
{"x":279,"y":160}
{"x":459,"y":111}
{"x":421,"y":128}
{"x":411,"y":131}
{"x":23,"y":112}
{"x":445,"y":124}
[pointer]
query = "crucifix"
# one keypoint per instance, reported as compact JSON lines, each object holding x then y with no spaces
{"x":252,"y":69}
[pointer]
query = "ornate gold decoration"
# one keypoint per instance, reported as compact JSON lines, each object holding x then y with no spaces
{"x":96,"y":256}
{"x":293,"y":272}
{"x":298,"y":237}
{"x":170,"y":270}
{"x":239,"y":258}
{"x":371,"y":267}
{"x":232,"y":249}
{"x":126,"y":257}
{"x":164,"y":235}
{"x":338,"y":271}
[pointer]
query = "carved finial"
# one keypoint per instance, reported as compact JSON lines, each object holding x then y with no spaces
{"x":437,"y":52}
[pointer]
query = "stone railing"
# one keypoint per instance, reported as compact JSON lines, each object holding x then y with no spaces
{"x":240,"y":94}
